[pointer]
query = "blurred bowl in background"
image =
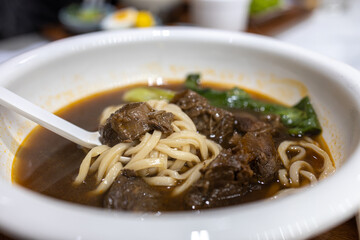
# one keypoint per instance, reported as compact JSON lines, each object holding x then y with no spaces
{"x":79,"y":19}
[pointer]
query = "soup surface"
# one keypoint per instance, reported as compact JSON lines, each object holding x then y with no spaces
{"x":49,"y":164}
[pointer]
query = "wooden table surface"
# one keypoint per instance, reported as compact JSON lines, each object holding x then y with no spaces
{"x":345,"y":231}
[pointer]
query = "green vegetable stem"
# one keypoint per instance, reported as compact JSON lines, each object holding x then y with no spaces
{"x":143,"y":94}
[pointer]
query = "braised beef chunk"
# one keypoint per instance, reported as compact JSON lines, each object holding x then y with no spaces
{"x":132,"y":121}
{"x":246,"y":122}
{"x":272,"y":120}
{"x":275,"y":127}
{"x":234,"y":164}
{"x":108,"y":136}
{"x":260,"y":148}
{"x":129,"y":192}
{"x":215,"y":123}
{"x":222,"y":182}
{"x":161,"y":121}
{"x":234,"y":172}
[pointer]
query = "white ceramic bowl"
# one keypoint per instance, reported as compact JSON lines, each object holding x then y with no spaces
{"x":61,"y":72}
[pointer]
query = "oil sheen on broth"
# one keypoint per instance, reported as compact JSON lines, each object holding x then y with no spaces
{"x":48,"y":164}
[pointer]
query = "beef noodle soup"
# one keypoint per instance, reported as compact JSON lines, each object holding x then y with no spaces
{"x":177,"y":147}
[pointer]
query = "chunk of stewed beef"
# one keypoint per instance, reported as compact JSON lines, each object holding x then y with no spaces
{"x":246,"y":122}
{"x":234,"y":172}
{"x":276,"y":128}
{"x":261,"y":150}
{"x":132,"y":121}
{"x":223,"y":181}
{"x":215,"y":123}
{"x":130,"y":192}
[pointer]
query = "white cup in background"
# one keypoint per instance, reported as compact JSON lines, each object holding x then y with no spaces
{"x":222,"y":14}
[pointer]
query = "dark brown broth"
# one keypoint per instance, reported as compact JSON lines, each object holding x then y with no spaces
{"x":48,"y":163}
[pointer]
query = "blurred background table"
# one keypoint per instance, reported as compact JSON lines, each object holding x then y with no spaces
{"x":330,"y":31}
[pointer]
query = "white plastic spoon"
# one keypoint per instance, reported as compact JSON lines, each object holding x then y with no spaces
{"x":48,"y":120}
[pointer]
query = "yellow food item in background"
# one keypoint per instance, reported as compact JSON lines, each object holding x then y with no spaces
{"x":123,"y":18}
{"x":120,"y":15}
{"x":144,"y":19}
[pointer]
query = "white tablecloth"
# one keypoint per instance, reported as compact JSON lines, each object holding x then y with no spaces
{"x":331,"y":32}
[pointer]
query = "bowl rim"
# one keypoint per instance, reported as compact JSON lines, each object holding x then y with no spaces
{"x":327,"y":209}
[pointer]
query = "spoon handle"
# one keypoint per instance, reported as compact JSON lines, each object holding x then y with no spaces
{"x":48,"y":120}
